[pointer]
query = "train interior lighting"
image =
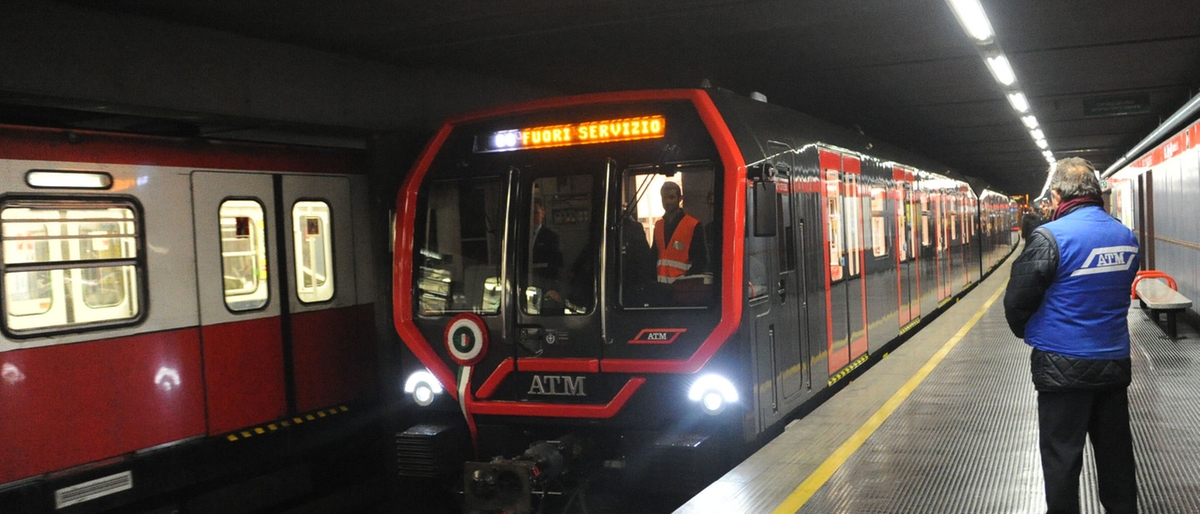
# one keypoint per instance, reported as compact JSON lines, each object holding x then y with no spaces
{"x":423,"y":387}
{"x":69,"y":179}
{"x":713,"y":392}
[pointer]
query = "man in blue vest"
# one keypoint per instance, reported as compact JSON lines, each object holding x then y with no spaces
{"x":1068,"y":297}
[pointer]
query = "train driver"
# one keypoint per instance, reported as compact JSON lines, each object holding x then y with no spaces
{"x":679,"y":245}
{"x":546,"y":262}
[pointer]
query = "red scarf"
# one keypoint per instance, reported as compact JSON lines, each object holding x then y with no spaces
{"x":1074,"y":203}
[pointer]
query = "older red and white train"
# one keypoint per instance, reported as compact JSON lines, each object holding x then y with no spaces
{"x":820,"y":253}
{"x":173,"y":310}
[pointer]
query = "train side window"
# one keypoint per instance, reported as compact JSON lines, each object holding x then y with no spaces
{"x":854,"y":223}
{"x":243,"y":254}
{"x":925,"y":229}
{"x":313,"y":245}
{"x":837,"y":252}
{"x":879,"y":247}
{"x":69,"y":263}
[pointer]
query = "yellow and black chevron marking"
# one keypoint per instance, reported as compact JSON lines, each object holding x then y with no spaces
{"x":286,"y":423}
{"x":846,"y":371}
{"x":910,"y":325}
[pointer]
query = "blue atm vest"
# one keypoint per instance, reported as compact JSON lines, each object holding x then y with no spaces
{"x":1083,"y":314}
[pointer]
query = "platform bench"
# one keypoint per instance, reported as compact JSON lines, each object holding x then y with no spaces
{"x":1159,"y":297}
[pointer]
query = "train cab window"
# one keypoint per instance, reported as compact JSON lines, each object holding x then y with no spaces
{"x":243,"y":254}
{"x":458,"y":243}
{"x":313,"y":244}
{"x":68,"y":264}
{"x":559,"y":257}
{"x":666,"y":259}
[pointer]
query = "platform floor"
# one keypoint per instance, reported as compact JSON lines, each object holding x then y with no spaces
{"x":948,"y":424}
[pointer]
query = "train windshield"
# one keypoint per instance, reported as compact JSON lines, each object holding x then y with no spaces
{"x":668,"y":235}
{"x":663,"y":240}
{"x":460,"y":253}
{"x":554,"y":220}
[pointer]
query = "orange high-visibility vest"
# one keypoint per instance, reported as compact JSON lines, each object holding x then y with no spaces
{"x":673,"y":260}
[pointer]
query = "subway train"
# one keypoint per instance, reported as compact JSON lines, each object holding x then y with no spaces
{"x":807,"y":252}
{"x":176,"y":312}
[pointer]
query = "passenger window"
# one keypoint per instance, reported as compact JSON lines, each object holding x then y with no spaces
{"x":313,"y":251}
{"x":879,"y":247}
{"x":67,"y":264}
{"x":837,"y":252}
{"x":925,"y":215}
{"x":243,"y":254}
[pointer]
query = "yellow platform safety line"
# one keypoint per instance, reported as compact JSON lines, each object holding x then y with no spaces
{"x":806,"y":489}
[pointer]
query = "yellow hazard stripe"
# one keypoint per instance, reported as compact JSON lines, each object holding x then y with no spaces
{"x":249,"y":432}
{"x":801,"y":494}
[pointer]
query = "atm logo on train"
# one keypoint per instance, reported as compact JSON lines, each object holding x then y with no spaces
{"x":1107,"y":259}
{"x":557,"y":385}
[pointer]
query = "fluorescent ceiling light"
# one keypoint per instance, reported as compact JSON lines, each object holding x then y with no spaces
{"x":970,"y":14}
{"x":1029,"y":121}
{"x":1001,"y":69}
{"x":1037,"y":134}
{"x":1042,"y":144}
{"x":1018,"y":101}
{"x":1048,"y":154}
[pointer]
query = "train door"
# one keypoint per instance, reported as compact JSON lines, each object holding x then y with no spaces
{"x":928,"y":279}
{"x":240,"y":315}
{"x":856,"y":284}
{"x":789,"y":349}
{"x":268,"y":354}
{"x":843,"y":227}
{"x":905,"y":246}
{"x":328,"y":327}
{"x":558,"y":256}
{"x":942,"y":242}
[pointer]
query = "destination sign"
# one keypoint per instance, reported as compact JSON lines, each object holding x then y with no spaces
{"x":588,"y":132}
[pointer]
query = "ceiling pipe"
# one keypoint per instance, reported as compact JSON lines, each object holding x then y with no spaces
{"x":1164,"y":129}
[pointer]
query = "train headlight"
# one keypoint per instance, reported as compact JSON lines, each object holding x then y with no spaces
{"x":423,"y":387}
{"x":713,"y":392}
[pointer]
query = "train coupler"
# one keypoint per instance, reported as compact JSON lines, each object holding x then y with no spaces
{"x":509,"y":485}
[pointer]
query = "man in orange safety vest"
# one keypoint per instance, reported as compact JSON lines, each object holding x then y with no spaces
{"x":679,"y":242}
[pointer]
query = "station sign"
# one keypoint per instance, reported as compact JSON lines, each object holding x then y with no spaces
{"x":1117,"y":105}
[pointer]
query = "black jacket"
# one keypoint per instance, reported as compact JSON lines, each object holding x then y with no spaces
{"x":1032,"y":274}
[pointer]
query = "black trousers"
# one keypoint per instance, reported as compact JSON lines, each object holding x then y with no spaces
{"x":1065,"y":419}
